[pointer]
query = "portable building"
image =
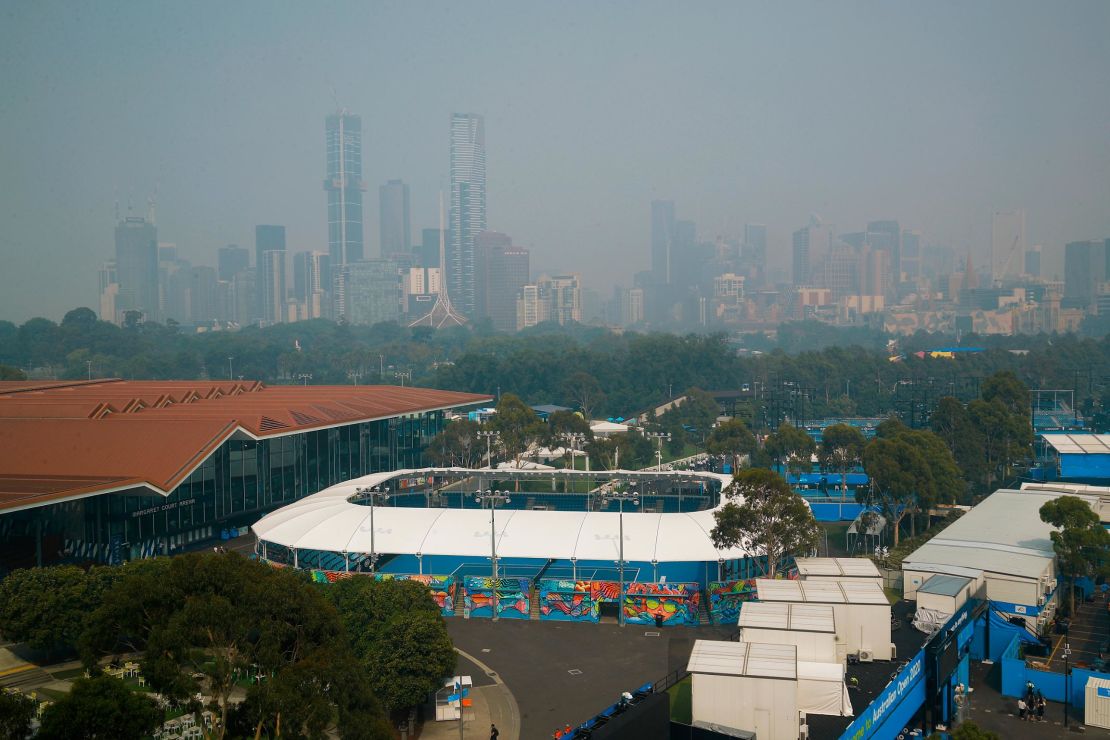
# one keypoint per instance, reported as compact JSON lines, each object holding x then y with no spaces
{"x":861,"y":612}
{"x":746,"y":686}
{"x":1097,"y":697}
{"x":808,"y":627}
{"x":938,"y":599}
{"x":838,"y":569}
{"x":821,"y":689}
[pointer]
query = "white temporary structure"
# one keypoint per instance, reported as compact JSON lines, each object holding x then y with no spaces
{"x":838,"y":569}
{"x":607,"y":428}
{"x":860,"y":609}
{"x":808,"y":627}
{"x":1097,"y":698}
{"x":821,"y":689}
{"x":331,"y":521}
{"x":746,"y":686}
{"x":938,"y":599}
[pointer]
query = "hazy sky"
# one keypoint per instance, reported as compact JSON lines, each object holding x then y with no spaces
{"x":933,"y":113}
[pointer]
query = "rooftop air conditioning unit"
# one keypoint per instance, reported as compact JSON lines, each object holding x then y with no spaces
{"x":1040,"y":600}
{"x":866,"y":656}
{"x":1050,"y":586}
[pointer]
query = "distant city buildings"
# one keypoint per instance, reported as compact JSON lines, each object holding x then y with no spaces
{"x":394,"y":219}
{"x":136,"y":269}
{"x":344,"y":186}
{"x":467,"y":213}
{"x":1007,"y":244}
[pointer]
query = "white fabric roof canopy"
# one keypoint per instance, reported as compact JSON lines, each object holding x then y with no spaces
{"x":329,"y":521}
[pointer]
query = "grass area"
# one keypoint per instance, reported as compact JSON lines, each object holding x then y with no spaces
{"x":892,"y":595}
{"x":681,"y":701}
{"x":69,"y":674}
{"x":51,"y":694}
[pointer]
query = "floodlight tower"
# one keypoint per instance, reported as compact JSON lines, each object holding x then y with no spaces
{"x":375,"y":495}
{"x":494,"y":498}
{"x":633,"y":496}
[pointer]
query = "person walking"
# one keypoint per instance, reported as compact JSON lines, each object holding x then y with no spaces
{"x":1040,"y":709}
{"x":1021,"y":709}
{"x":493,"y":733}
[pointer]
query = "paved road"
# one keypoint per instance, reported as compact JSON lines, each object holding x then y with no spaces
{"x":564,"y":673}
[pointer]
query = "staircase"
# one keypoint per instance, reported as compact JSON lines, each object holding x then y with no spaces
{"x":460,"y":601}
{"x":703,"y":611}
{"x":534,"y":603}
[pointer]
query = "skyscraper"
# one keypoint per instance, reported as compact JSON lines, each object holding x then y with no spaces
{"x":1085,"y":266}
{"x":137,"y":267}
{"x":269,"y":244}
{"x":427,"y":253}
{"x":887,"y":235}
{"x":507,"y":272}
{"x":911,"y":254}
{"x":1033,"y":261}
{"x":754,"y":254}
{"x":394,"y":222}
{"x":344,"y":186}
{"x":662,"y":240}
{"x":468,"y":206}
{"x":310,"y":275}
{"x":231,"y":260}
{"x":1007,"y":244}
{"x":800,"y":273}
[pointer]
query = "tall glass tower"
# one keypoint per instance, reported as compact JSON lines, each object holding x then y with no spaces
{"x":344,"y":186}
{"x":468,"y":206}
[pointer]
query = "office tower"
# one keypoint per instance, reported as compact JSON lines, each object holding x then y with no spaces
{"x":887,"y":235}
{"x":269,"y":244}
{"x":344,"y":186}
{"x":203,"y":297}
{"x":662,"y":240}
{"x":754,"y":253}
{"x":1033,"y":261}
{"x":841,"y":271}
{"x":632,"y":306}
{"x":507,"y":271}
{"x":311,"y":272}
{"x":468,"y":207}
{"x":108,"y":291}
{"x":137,"y":267}
{"x":231,"y":260}
{"x":373,"y":291}
{"x":244,"y":296}
{"x":556,"y":298}
{"x":484,"y":244}
{"x":530,"y":308}
{"x":394,"y":222}
{"x":911,"y":254}
{"x":427,"y":253}
{"x":1007,"y":244}
{"x":801,"y":255}
{"x":1084,"y":268}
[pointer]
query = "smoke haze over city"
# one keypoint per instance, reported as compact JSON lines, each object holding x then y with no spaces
{"x":935,"y":115}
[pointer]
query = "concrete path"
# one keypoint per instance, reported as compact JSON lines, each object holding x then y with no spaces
{"x":492,"y":701}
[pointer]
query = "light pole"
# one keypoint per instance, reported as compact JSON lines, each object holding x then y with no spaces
{"x":381,"y":367}
{"x":354,"y":375}
{"x":659,"y":437}
{"x":1067,"y":682}
{"x":304,"y":377}
{"x":374,"y":494}
{"x":574,"y":438}
{"x":489,"y":436}
{"x":494,"y":498}
{"x":230,"y":374}
{"x":620,"y":497}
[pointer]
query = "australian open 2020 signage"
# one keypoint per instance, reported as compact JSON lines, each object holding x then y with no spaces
{"x":896,"y":704}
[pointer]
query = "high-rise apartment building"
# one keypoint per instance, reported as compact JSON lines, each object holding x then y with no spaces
{"x":468,"y":207}
{"x":394,"y":221}
{"x":269,"y":244}
{"x":662,"y":240}
{"x":230,"y":260}
{"x":1007,"y":244}
{"x":344,"y":186}
{"x":137,"y":267}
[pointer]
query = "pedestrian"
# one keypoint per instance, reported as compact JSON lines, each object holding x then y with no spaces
{"x":1040,"y":709}
{"x":1021,"y":709}
{"x":493,"y":733}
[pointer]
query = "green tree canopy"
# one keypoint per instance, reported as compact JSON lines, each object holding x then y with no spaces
{"x":1082,"y":544}
{"x":841,"y":451}
{"x":458,"y":445}
{"x":47,"y":607}
{"x":732,"y":438}
{"x":517,"y":426}
{"x":100,"y":708}
{"x":790,"y":446}
{"x":396,"y":630}
{"x":16,"y":713}
{"x":765,"y":516}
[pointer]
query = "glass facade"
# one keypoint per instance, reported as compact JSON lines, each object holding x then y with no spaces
{"x":238,"y":483}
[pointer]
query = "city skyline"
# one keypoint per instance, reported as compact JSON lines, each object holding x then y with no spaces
{"x":978,"y":100}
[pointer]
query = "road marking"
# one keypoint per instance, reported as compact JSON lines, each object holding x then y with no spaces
{"x":574,"y":672}
{"x":651,"y":634}
{"x":485,"y":650}
{"x":18,"y":669}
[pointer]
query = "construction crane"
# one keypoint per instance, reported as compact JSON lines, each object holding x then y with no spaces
{"x":1009,"y":260}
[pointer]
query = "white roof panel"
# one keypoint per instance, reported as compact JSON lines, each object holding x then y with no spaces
{"x":848,"y":567}
{"x":848,"y":591}
{"x":328,"y":520}
{"x":1079,"y":444}
{"x":771,"y":661}
{"x":752,"y":659}
{"x":787,"y":616}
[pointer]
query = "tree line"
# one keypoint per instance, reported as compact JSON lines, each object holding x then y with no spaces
{"x":313,"y":660}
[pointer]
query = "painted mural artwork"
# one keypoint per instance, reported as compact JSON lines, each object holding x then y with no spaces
{"x":566,"y":600}
{"x":669,"y":604}
{"x":726,"y":598}
{"x":512,"y":597}
{"x":442,"y":588}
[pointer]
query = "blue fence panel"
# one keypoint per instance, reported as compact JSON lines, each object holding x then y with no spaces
{"x":894,"y":706}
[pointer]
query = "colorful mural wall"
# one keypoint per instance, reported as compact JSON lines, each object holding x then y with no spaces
{"x":512,"y":597}
{"x":568,"y":601}
{"x":726,"y":597}
{"x":667,"y":604}
{"x":442,"y":588}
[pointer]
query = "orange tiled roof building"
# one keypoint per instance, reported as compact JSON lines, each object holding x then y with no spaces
{"x":107,"y":470}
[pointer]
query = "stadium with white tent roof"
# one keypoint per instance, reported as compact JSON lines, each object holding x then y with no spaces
{"x":558,"y":538}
